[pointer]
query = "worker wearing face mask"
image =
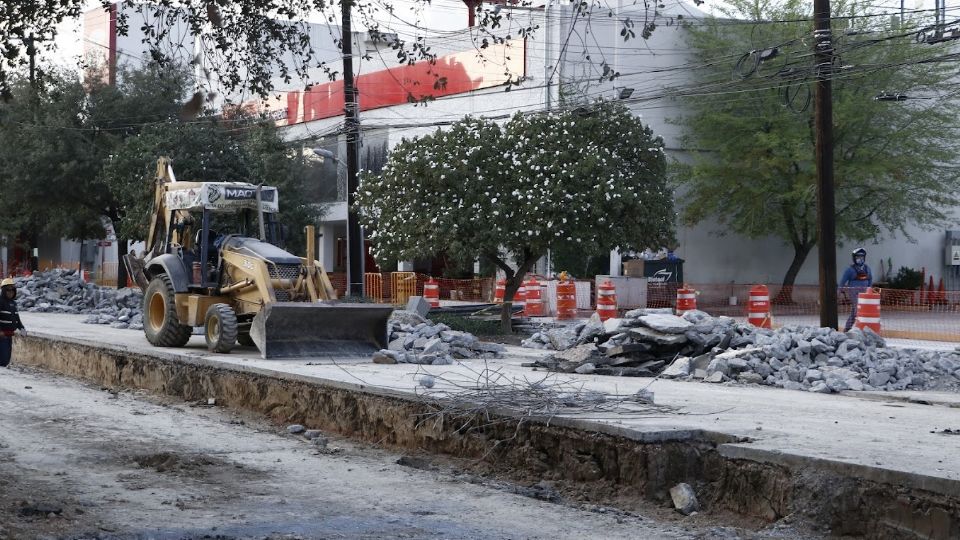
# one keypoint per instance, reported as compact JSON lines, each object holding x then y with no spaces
{"x":857,"y":278}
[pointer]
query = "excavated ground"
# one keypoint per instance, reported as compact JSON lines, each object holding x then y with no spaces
{"x":600,"y":462}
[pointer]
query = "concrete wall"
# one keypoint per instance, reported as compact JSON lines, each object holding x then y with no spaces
{"x":711,"y":258}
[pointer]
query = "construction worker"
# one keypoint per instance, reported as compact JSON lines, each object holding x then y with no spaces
{"x":857,"y":278}
{"x":9,"y":319}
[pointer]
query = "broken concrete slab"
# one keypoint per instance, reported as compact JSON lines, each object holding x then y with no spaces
{"x":629,"y":348}
{"x":668,"y":324}
{"x":578,"y":354}
{"x":650,"y":335}
{"x":418,"y":305}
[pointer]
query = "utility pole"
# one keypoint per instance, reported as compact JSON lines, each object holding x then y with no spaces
{"x":351,"y":122}
{"x":32,"y":53}
{"x":826,"y":208}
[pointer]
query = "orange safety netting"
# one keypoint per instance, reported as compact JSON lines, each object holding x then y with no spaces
{"x":918,"y":314}
{"x":398,"y":287}
{"x":925,"y":315}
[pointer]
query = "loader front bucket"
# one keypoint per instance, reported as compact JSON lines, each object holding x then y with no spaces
{"x":305,"y":329}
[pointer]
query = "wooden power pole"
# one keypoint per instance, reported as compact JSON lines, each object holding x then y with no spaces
{"x":823,"y":117}
{"x":351,"y":108}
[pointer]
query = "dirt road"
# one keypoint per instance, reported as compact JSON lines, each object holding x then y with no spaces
{"x":81,"y":462}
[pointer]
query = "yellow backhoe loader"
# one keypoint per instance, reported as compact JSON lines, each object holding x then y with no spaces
{"x":237,"y":287}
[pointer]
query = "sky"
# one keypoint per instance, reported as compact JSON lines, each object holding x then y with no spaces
{"x":442,"y":15}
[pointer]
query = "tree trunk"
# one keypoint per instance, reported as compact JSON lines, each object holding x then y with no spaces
{"x":800,"y":253}
{"x":514,"y":282}
{"x":506,"y":309}
{"x":123,"y":246}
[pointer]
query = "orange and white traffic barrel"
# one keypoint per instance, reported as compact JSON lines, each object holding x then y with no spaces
{"x":431,"y":291}
{"x":500,"y":291}
{"x":534,"y":305}
{"x":758,"y":307}
{"x":868,"y":310}
{"x":686,"y":300}
{"x":606,"y":301}
{"x":566,"y":299}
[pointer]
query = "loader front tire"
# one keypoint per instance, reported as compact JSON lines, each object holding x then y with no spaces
{"x":220,"y":328}
{"x":160,"y":321}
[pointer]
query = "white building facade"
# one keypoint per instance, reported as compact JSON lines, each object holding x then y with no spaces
{"x":559,"y":64}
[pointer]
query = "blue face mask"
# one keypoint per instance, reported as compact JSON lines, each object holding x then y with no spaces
{"x":859,"y":261}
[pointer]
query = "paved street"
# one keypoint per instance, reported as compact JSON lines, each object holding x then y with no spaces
{"x":81,"y":462}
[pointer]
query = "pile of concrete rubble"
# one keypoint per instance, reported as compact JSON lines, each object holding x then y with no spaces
{"x":64,"y":291}
{"x":651,"y":342}
{"x":417,"y":340}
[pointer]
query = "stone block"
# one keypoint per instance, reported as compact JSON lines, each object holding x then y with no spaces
{"x":679,"y":368}
{"x":684,"y":499}
{"x":715,"y":377}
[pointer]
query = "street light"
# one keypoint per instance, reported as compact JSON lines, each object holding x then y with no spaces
{"x":897,"y":96}
{"x":323,"y":153}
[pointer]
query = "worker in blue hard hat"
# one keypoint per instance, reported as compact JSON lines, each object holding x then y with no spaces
{"x":857,"y":278}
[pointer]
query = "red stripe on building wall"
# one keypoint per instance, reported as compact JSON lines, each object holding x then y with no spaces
{"x":449,"y":75}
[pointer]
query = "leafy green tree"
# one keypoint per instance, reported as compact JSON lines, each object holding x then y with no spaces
{"x":592,"y":177}
{"x":54,"y":139}
{"x":74,"y":154}
{"x":242,"y":150}
{"x":894,"y":162}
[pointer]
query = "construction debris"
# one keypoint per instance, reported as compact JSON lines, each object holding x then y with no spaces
{"x":490,"y":393}
{"x":653,"y":342}
{"x":684,"y":499}
{"x":416,"y":340}
{"x":65,"y":291}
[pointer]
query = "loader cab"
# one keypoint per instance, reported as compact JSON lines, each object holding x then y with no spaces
{"x":201,"y":215}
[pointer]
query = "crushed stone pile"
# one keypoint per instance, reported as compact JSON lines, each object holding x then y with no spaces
{"x":697,"y":346}
{"x":64,"y":291}
{"x":416,"y":340}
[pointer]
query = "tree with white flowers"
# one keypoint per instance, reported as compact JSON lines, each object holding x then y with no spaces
{"x":592,"y":177}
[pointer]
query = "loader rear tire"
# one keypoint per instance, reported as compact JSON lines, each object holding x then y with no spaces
{"x":160,"y":321}
{"x":220,"y":328}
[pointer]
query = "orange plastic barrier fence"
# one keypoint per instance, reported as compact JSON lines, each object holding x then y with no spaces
{"x":403,"y":285}
{"x":373,"y":286}
{"x":907,"y":314}
{"x":106,"y":275}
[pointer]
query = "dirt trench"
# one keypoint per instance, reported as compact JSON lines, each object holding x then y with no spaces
{"x":602,"y":465}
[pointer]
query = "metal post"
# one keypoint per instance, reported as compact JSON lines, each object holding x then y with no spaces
{"x":204,"y":248}
{"x":823,"y":116}
{"x":355,"y":247}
